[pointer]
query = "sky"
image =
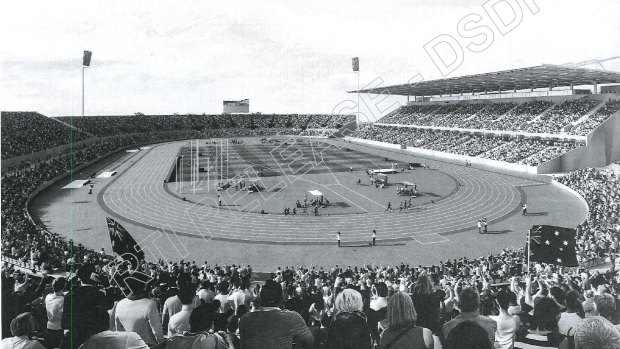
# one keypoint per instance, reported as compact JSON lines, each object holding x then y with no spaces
{"x":164,"y":57}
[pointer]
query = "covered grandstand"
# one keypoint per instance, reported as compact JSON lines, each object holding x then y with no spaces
{"x":541,"y":119}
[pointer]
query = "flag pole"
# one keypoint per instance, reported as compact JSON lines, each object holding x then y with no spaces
{"x":529,"y":250}
{"x":357,"y":119}
{"x":83,"y":68}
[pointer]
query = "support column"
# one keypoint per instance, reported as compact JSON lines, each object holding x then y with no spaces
{"x":595,"y":87}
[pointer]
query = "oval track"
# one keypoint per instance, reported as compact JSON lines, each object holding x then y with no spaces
{"x":138,"y":195}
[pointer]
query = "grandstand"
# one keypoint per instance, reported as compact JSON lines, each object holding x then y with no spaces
{"x":545,"y":119}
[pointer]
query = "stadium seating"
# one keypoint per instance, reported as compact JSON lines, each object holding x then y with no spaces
{"x":561,"y":115}
{"x":526,"y":151}
{"x":311,"y":292}
{"x":29,"y":132}
{"x":597,"y":118}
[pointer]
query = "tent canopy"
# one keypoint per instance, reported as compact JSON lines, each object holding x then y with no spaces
{"x":315,"y":192}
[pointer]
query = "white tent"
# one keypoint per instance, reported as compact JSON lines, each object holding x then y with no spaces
{"x":315,"y":192}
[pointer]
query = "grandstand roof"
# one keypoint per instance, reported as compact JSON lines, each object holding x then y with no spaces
{"x":542,"y":76}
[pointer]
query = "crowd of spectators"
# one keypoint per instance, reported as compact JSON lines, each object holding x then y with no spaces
{"x":532,"y":152}
{"x":506,"y":116}
{"x":29,"y":132}
{"x":594,"y":120}
{"x":410,"y":115}
{"x":494,"y":301}
{"x":514,"y":119}
{"x":528,"y":151}
{"x":554,"y":120}
{"x":601,"y":190}
{"x":462,"y":303}
{"x":485,"y":116}
{"x":457,"y":117}
{"x":140,"y":123}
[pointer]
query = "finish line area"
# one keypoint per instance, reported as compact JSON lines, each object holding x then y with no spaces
{"x":441,"y":224}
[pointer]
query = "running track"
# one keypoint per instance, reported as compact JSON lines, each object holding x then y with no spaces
{"x":137,"y":195}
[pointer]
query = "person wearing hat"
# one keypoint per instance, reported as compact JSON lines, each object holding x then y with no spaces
{"x":22,"y":328}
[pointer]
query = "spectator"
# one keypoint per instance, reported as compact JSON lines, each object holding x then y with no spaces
{"x":574,"y":314}
{"x":179,"y":322}
{"x":606,"y":306}
{"x":426,"y":303}
{"x":402,"y":331}
{"x":544,"y":332}
{"x":507,"y":324}
{"x":139,"y":314}
{"x":597,"y":332}
{"x":53,"y":306}
{"x":469,"y":303}
{"x":103,"y":338}
{"x":21,"y":329}
{"x":468,"y":335}
{"x":272,"y":327}
{"x":348,"y":329}
{"x":199,"y":337}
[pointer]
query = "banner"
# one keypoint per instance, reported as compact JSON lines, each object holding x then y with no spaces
{"x":86,"y":59}
{"x":553,"y":245}
{"x":356,"y":64}
{"x":124,"y":244}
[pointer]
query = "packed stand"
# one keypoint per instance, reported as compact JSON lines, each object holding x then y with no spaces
{"x":29,"y":132}
{"x":594,"y":120}
{"x":456,"y":117}
{"x":488,"y":302}
{"x":485,"y":116}
{"x":552,"y":151}
{"x":122,"y":124}
{"x":526,"y":151}
{"x":410,"y":115}
{"x":554,"y":120}
{"x":530,"y":152}
{"x":601,"y":190}
{"x":521,"y":114}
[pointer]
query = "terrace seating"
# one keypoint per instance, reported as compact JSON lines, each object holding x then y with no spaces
{"x":28,"y":132}
{"x":561,"y":115}
{"x":593,"y":121}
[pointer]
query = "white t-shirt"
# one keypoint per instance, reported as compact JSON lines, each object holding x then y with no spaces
{"x":506,"y":329}
{"x":140,"y":316}
{"x":179,"y":322}
{"x":224,"y":303}
{"x":568,"y":321}
{"x":53,"y":307}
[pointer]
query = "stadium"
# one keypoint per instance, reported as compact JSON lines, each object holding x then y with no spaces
{"x":455,"y":193}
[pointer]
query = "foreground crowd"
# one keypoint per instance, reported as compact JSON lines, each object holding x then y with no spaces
{"x":186,"y":305}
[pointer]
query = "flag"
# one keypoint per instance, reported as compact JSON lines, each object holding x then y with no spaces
{"x":123,"y":244}
{"x":86,"y":59}
{"x":356,"y":64}
{"x":553,"y":245}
